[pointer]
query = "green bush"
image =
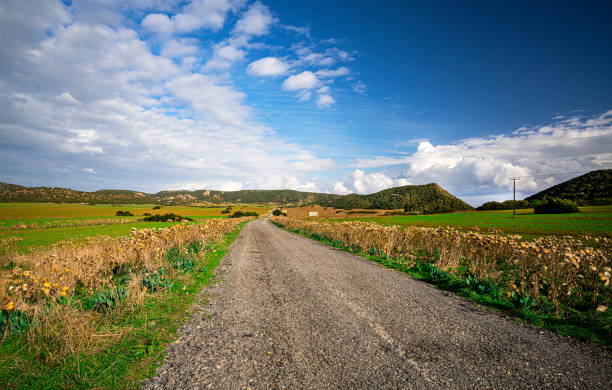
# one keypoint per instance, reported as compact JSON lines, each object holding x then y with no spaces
{"x":226,"y":210}
{"x":276,"y":212}
{"x":156,"y":207}
{"x":239,"y":214}
{"x":165,"y":218}
{"x":556,"y":206}
{"x":124,"y":214}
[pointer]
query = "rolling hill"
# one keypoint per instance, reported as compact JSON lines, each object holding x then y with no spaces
{"x":593,"y":188}
{"x":419,"y":198}
{"x":17,"y":193}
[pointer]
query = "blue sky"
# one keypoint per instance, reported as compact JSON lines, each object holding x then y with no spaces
{"x":319,"y":96}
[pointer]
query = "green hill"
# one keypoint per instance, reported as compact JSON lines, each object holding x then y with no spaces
{"x":17,"y":193}
{"x":593,"y":188}
{"x":418,"y":198}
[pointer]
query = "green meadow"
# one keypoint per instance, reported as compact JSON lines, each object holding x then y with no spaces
{"x":49,"y":223}
{"x":592,"y":220}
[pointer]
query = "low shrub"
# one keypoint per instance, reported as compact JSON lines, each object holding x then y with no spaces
{"x":156,"y":207}
{"x":239,"y":214}
{"x":170,"y":217}
{"x":556,"y":206}
{"x":226,"y":210}
{"x":121,"y":213}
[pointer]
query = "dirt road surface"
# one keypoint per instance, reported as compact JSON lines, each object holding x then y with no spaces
{"x":290,"y":313}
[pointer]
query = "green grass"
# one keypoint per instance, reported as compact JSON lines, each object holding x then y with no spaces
{"x":594,"y":220}
{"x":34,"y":239}
{"x":589,"y":326}
{"x":135,"y":356}
{"x":21,"y":211}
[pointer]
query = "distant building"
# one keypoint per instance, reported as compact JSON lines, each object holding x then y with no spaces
{"x":313,"y":213}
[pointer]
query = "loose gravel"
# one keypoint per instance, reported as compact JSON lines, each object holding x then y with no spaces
{"x":290,"y":313}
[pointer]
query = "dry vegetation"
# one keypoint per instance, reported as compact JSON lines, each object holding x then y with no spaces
{"x":61,"y":296}
{"x":564,"y":272}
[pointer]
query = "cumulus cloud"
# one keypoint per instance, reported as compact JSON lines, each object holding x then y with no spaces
{"x":304,"y":80}
{"x":198,"y":14}
{"x":255,"y":21}
{"x":267,"y":66}
{"x":340,"y":188}
{"x":485,"y":164}
{"x":325,"y":100}
{"x":367,"y":183}
{"x":177,"y":48}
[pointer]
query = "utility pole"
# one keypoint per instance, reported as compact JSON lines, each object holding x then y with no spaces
{"x":514,"y":179}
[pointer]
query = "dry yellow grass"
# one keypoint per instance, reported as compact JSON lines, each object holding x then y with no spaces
{"x":32,"y":284}
{"x":564,"y":270}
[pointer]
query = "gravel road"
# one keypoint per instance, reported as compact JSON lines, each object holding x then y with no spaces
{"x":290,"y":313}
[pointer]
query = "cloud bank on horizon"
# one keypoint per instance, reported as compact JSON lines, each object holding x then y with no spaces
{"x":153,"y":95}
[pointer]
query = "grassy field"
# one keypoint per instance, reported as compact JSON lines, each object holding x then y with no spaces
{"x":594,"y":220}
{"x":34,"y":239}
{"x":17,"y":212}
{"x":40,"y":214}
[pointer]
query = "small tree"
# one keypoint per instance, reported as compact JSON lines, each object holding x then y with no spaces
{"x":556,"y":206}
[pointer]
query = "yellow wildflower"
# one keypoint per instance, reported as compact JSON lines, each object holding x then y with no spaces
{"x":10,"y":306}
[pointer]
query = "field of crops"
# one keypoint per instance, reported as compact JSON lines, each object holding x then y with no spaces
{"x":557,"y":275}
{"x":593,"y":220}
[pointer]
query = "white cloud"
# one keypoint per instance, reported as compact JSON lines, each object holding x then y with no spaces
{"x":340,"y":188}
{"x":484,"y":165}
{"x":359,"y":88}
{"x":177,"y":48}
{"x":299,"y":30}
{"x":367,"y":183}
{"x":304,"y":95}
{"x":307,"y":55}
{"x":304,"y":80}
{"x":198,"y":14}
{"x":94,"y":94}
{"x":325,"y":101}
{"x":329,"y":73}
{"x":89,"y":170}
{"x":209,"y":99}
{"x":255,"y":21}
{"x":67,"y":97}
{"x":268,"y":66}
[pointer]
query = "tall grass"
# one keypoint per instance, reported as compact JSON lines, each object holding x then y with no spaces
{"x":60,"y":299}
{"x":565,"y":273}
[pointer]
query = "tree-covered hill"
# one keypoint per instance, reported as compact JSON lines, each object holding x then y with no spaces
{"x":418,"y":198}
{"x":17,"y":193}
{"x":593,"y":188}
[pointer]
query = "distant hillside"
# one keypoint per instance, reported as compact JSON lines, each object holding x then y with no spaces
{"x":421,"y":198}
{"x":593,"y":188}
{"x":17,"y":193}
